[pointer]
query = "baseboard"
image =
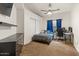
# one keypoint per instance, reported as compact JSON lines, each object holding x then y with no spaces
{"x":76,"y":48}
{"x":27,"y":43}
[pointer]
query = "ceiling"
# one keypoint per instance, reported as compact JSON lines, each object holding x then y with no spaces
{"x":37,"y":7}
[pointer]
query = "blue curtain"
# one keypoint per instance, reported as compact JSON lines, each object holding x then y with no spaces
{"x":50,"y":25}
{"x":59,"y":23}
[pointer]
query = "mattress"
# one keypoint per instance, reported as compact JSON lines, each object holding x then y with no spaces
{"x":44,"y":38}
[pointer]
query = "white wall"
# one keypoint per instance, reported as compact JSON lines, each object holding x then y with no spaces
{"x":31,"y":25}
{"x":20,"y":20}
{"x":75,"y":25}
{"x":65,"y":16}
{"x":7,"y":31}
{"x":43,"y":24}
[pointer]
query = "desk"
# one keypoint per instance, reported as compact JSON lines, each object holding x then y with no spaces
{"x":69,"y":35}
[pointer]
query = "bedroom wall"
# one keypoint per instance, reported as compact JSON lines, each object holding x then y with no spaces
{"x":8,"y":31}
{"x":20,"y":20}
{"x":43,"y":24}
{"x":31,"y":25}
{"x":65,"y":16}
{"x":75,"y":25}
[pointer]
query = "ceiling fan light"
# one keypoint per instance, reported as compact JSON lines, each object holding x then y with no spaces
{"x":49,"y":13}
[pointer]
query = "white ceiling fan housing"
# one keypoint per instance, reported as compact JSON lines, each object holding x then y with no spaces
{"x":50,"y":10}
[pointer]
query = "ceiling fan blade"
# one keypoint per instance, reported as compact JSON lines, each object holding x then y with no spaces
{"x":45,"y":13}
{"x":55,"y":10}
{"x":43,"y":10}
{"x":50,"y":10}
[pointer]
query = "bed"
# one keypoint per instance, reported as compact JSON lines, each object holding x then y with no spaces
{"x":43,"y":37}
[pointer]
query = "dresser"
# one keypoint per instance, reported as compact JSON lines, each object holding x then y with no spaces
{"x":12,"y":45}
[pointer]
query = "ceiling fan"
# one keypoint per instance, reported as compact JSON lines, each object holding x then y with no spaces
{"x":50,"y":10}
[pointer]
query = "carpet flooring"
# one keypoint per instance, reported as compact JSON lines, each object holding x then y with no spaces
{"x":55,"y":48}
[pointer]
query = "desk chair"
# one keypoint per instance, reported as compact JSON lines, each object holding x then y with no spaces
{"x":60,"y":34}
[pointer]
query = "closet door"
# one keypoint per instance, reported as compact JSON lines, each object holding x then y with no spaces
{"x":32,"y":27}
{"x":37,"y":26}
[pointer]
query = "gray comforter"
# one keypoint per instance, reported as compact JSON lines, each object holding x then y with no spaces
{"x":47,"y":38}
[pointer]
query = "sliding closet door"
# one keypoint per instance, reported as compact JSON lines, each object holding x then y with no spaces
{"x":37,"y":26}
{"x":31,"y":27}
